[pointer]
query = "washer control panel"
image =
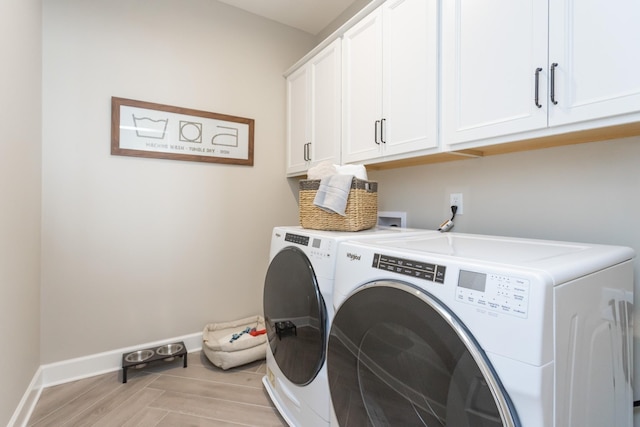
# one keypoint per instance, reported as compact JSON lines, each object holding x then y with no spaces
{"x":408,"y":267}
{"x":495,"y":292}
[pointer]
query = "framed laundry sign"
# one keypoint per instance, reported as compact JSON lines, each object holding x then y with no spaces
{"x":146,"y":129}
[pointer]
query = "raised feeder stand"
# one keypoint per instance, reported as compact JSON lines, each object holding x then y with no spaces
{"x":142,"y":357}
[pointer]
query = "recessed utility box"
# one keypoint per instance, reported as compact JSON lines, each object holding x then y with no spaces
{"x":392,"y":219}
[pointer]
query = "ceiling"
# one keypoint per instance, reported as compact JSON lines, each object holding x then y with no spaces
{"x":311,"y":16}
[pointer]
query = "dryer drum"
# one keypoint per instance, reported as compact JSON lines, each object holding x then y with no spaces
{"x":399,"y":357}
{"x":295,"y":316}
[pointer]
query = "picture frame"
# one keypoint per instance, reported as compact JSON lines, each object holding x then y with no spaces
{"x":147,"y":129}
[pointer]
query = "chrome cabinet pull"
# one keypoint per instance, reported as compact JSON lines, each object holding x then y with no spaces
{"x":375,"y":137}
{"x":382,"y":130}
{"x":553,"y":82}
{"x":536,"y":100}
{"x":307,"y":151}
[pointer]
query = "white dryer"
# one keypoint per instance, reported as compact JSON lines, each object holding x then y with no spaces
{"x":298,"y":308}
{"x":467,"y":331}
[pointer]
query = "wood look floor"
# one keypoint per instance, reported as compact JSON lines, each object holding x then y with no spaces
{"x":162,"y":394}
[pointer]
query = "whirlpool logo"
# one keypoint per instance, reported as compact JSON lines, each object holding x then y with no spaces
{"x":353,"y":257}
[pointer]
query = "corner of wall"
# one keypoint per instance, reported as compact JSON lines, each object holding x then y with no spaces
{"x":28,"y":402}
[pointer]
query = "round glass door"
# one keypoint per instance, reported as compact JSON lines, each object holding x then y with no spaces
{"x":295,"y":316}
{"x":398,"y":357}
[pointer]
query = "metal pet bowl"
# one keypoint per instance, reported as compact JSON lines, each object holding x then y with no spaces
{"x":139,"y":356}
{"x":168,"y":350}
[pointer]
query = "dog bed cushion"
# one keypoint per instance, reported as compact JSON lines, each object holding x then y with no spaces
{"x":225,"y":351}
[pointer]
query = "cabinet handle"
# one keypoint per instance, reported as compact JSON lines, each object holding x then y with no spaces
{"x":537,"y":87}
{"x":553,"y":82}
{"x":375,"y":137}
{"x":307,"y":156}
{"x":382,"y":131}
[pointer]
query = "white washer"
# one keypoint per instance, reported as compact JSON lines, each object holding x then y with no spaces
{"x":298,"y":308}
{"x":466,"y":330}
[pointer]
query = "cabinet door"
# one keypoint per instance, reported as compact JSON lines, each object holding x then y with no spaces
{"x":490,"y":52}
{"x":595,"y":44}
{"x":362,"y":89}
{"x":298,"y":111}
{"x":410,"y":46}
{"x":326,"y":111}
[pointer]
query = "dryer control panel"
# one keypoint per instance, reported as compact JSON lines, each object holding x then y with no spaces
{"x":321,"y":251}
{"x":297,"y":239}
{"x":495,"y":292}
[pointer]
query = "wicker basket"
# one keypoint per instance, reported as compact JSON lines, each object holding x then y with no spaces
{"x":361,"y":211}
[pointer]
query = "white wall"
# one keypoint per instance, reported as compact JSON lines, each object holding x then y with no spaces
{"x":137,"y":250}
{"x":583,"y":193}
{"x":348,"y":13}
{"x":20,"y":149}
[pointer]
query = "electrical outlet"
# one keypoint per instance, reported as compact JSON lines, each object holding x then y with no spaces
{"x":456,"y":199}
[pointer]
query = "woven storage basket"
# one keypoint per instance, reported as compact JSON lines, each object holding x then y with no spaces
{"x":361,"y":211}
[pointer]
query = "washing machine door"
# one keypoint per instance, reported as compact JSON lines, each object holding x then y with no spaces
{"x":295,"y":316}
{"x":398,"y":357}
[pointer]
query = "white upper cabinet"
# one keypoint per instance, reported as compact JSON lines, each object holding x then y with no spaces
{"x":490,"y":52}
{"x":390,"y":81}
{"x":419,"y":78}
{"x":362,"y":89}
{"x":515,"y":66}
{"x":595,"y":45}
{"x":410,"y":86}
{"x":298,"y":122}
{"x":314,"y":111}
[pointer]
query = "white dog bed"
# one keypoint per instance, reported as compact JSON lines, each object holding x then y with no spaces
{"x":225,"y":351}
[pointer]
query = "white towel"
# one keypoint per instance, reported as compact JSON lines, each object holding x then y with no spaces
{"x":321,"y":170}
{"x":359,"y":171}
{"x":333,"y":193}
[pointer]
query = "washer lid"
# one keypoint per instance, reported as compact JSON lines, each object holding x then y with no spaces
{"x":490,"y":249}
{"x":563,"y":260}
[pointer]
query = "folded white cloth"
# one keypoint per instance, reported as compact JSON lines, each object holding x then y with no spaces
{"x":326,"y":168}
{"x":321,"y":170}
{"x":333,"y":193}
{"x":359,"y":171}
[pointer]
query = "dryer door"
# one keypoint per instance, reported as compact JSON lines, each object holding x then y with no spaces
{"x":398,"y":357}
{"x":295,"y":316}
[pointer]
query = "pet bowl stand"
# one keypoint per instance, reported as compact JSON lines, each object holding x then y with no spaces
{"x":153,"y":354}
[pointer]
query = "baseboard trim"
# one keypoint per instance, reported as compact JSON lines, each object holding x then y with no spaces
{"x":84,"y":367}
{"x":101,"y":363}
{"x":28,"y":402}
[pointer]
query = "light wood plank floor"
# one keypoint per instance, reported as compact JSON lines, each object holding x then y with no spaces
{"x":162,"y":394}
